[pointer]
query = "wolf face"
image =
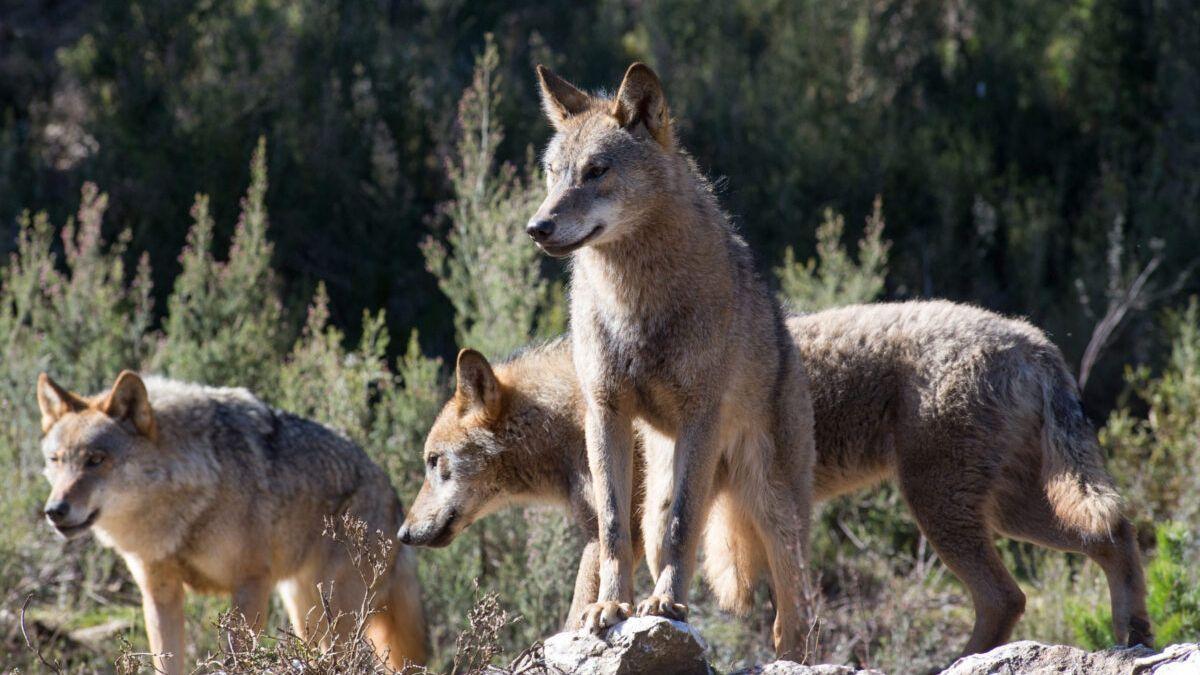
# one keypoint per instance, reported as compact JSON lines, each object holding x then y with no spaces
{"x":463,"y":464}
{"x":90,"y":448}
{"x":601,"y":160}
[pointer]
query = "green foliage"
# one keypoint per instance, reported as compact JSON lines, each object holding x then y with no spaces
{"x":225,"y":319}
{"x":487,"y":268}
{"x":1172,"y":595}
{"x":1172,"y":585}
{"x":1155,"y":456}
{"x":834,"y":278}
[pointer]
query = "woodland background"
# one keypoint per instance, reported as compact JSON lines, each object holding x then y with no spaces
{"x":1039,"y":158}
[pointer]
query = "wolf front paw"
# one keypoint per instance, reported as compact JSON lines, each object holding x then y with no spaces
{"x":661,"y":605}
{"x":600,"y":616}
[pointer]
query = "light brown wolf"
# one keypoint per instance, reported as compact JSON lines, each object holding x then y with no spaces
{"x":212,"y":489}
{"x":672,"y":327}
{"x":974,"y":416}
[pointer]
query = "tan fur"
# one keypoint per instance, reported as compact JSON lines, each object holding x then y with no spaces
{"x":947,"y":400}
{"x":211,"y":489}
{"x":672,"y":330}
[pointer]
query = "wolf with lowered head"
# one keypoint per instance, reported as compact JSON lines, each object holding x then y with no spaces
{"x":672,"y":328}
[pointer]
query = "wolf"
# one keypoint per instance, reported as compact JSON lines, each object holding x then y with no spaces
{"x":212,"y":489}
{"x":974,"y":417}
{"x":671,"y":327}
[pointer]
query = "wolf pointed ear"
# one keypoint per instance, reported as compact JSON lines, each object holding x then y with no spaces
{"x":640,"y":101}
{"x":128,"y":401}
{"x":478,"y":388}
{"x":55,"y":401}
{"x":560,"y":99}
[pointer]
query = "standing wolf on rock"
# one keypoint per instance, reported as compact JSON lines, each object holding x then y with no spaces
{"x":211,"y":488}
{"x":672,"y":327}
{"x":972,"y":415}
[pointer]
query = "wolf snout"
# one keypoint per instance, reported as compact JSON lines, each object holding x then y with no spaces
{"x":57,"y":511}
{"x":540,"y":230}
{"x":405,"y":534}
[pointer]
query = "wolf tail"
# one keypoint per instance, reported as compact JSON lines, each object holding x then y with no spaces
{"x":1080,"y":490}
{"x":733,"y":556}
{"x":399,"y":626}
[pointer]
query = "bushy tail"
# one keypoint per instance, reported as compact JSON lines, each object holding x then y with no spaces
{"x":399,"y":627}
{"x":733,"y":556}
{"x":1079,"y":488}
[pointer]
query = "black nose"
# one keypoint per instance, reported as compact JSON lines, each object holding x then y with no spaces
{"x":404,"y":535}
{"x":57,"y":510}
{"x":540,"y":230}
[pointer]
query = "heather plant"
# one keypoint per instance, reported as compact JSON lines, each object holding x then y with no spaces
{"x":1155,"y":457}
{"x":834,"y":278}
{"x":487,"y":267}
{"x":225,"y":322}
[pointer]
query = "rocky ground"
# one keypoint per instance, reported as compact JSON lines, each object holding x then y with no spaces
{"x":657,"y":646}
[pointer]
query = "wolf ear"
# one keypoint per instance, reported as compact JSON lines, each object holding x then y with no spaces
{"x":560,"y":99}
{"x":478,"y":389}
{"x":640,"y":101}
{"x":128,"y":401}
{"x":55,"y":401}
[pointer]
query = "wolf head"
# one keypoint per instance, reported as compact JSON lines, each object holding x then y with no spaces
{"x":603,"y":155}
{"x":464,"y":465}
{"x":88,"y":444}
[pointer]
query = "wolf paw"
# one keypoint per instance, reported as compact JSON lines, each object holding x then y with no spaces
{"x":600,"y":616}
{"x":661,"y":605}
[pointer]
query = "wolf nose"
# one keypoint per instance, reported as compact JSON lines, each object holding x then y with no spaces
{"x":57,"y":510}
{"x":540,"y":230}
{"x":404,"y":535}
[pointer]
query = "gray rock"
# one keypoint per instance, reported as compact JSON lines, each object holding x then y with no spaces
{"x":793,"y":668}
{"x":1034,"y":658}
{"x":657,"y":646}
{"x":648,"y":645}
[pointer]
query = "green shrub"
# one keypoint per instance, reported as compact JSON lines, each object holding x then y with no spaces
{"x":834,"y":278}
{"x":225,"y":319}
{"x":1172,"y":595}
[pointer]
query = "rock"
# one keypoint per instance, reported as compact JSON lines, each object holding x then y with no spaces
{"x":647,"y":645}
{"x":793,"y":668}
{"x":657,"y":646}
{"x":1036,"y":658}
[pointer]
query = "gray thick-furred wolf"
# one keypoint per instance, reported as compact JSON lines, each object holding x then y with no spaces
{"x":672,"y":329}
{"x":973,"y":416}
{"x":212,"y":489}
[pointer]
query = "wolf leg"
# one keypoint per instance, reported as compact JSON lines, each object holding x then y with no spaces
{"x":250,"y":600}
{"x":683,"y":510}
{"x":162,"y":605}
{"x":609,"y":434}
{"x":1025,"y":513}
{"x":949,"y":510}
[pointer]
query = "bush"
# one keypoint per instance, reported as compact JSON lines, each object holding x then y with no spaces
{"x":834,"y":278}
{"x":225,"y":319}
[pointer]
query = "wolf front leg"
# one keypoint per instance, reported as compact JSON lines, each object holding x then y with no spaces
{"x":610,"y":459}
{"x":162,"y":605}
{"x":587,"y":584}
{"x":682,"y":510}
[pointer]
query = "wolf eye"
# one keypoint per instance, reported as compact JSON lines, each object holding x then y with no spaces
{"x":433,"y":461}
{"x":94,"y":460}
{"x":594,"y":171}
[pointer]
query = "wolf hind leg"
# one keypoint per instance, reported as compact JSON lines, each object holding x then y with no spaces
{"x":397,"y":628}
{"x":778,"y":507}
{"x":949,"y":510}
{"x":1024,"y":512}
